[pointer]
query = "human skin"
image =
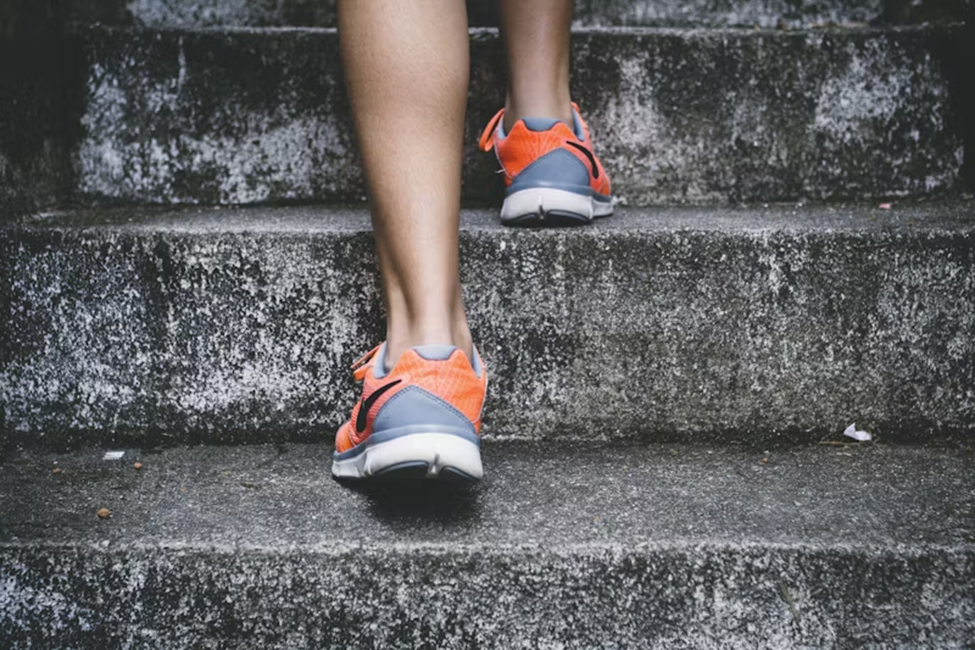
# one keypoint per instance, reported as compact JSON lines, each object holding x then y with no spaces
{"x":407,"y":70}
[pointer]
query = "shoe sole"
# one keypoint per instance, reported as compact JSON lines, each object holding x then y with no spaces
{"x":420,"y":455}
{"x":546,"y":206}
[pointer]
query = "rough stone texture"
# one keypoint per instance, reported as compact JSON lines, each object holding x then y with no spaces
{"x":561,"y":547}
{"x":651,"y":13}
{"x":251,"y":116}
{"x":239,"y":117}
{"x":665,"y":324}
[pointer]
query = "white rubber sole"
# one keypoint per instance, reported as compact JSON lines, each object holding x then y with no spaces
{"x":416,"y":455}
{"x":539,"y":204}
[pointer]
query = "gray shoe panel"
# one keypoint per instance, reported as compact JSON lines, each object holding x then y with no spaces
{"x":557,"y":169}
{"x":539,"y":124}
{"x":414,"y":406}
{"x":379,"y":365}
{"x":435,"y":352}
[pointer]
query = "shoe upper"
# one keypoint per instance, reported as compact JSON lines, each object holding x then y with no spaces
{"x":545,"y":152}
{"x":430,"y":386}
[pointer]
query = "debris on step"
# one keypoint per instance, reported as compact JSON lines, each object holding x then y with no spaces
{"x":852,"y":432}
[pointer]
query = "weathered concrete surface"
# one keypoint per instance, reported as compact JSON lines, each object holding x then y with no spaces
{"x":251,"y":116}
{"x":560,"y":547}
{"x":664,"y":324}
{"x":651,"y":13}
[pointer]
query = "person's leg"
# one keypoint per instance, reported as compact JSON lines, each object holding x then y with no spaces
{"x":406,"y":64}
{"x":536,"y":34}
{"x":552,"y":177}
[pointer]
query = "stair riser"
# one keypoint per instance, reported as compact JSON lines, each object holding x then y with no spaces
{"x":168,"y":336}
{"x":697,"y":598}
{"x":711,"y":13}
{"x":243,"y":117}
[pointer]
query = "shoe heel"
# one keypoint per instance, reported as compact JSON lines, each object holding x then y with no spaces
{"x":546,"y":206}
{"x":413,"y":455}
{"x":415,"y":434}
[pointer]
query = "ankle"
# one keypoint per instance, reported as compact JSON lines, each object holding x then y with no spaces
{"x":399,"y":340}
{"x":558,"y":109}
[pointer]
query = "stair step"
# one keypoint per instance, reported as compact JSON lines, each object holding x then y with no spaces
{"x":562,"y":546}
{"x":679,"y":116}
{"x":219,"y":325}
{"x":654,"y":13}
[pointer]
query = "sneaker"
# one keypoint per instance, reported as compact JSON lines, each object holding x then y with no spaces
{"x":550,"y":172}
{"x":421,"y":419}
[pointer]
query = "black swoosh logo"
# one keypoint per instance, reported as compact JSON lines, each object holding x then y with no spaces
{"x":360,"y":420}
{"x":592,"y":158}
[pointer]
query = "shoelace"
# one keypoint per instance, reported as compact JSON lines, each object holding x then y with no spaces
{"x":486,"y":142}
{"x":361,"y":367}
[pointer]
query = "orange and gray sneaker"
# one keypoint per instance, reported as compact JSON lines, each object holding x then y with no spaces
{"x":420,"y":419}
{"x":551,"y":175}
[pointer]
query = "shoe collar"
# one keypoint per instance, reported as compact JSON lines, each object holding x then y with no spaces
{"x":494,"y":132}
{"x":376,"y":359}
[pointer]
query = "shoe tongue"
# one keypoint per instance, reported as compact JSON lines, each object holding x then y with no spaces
{"x":379,"y":369}
{"x":539,"y":124}
{"x":434,"y":352}
{"x":443,"y":352}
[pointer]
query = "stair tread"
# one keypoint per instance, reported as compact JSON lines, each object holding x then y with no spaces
{"x":493,"y":32}
{"x":238,"y":325}
{"x":554,"y":496}
{"x":955,"y":215}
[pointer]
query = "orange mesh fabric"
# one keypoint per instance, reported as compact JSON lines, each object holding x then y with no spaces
{"x":452,"y":380}
{"x":521,"y":147}
{"x":343,"y":442}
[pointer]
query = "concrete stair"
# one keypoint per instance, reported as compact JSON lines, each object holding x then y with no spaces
{"x":692,"y":116}
{"x":186,"y":269}
{"x":717,"y":325}
{"x":562,"y":547}
{"x":182,"y":111}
